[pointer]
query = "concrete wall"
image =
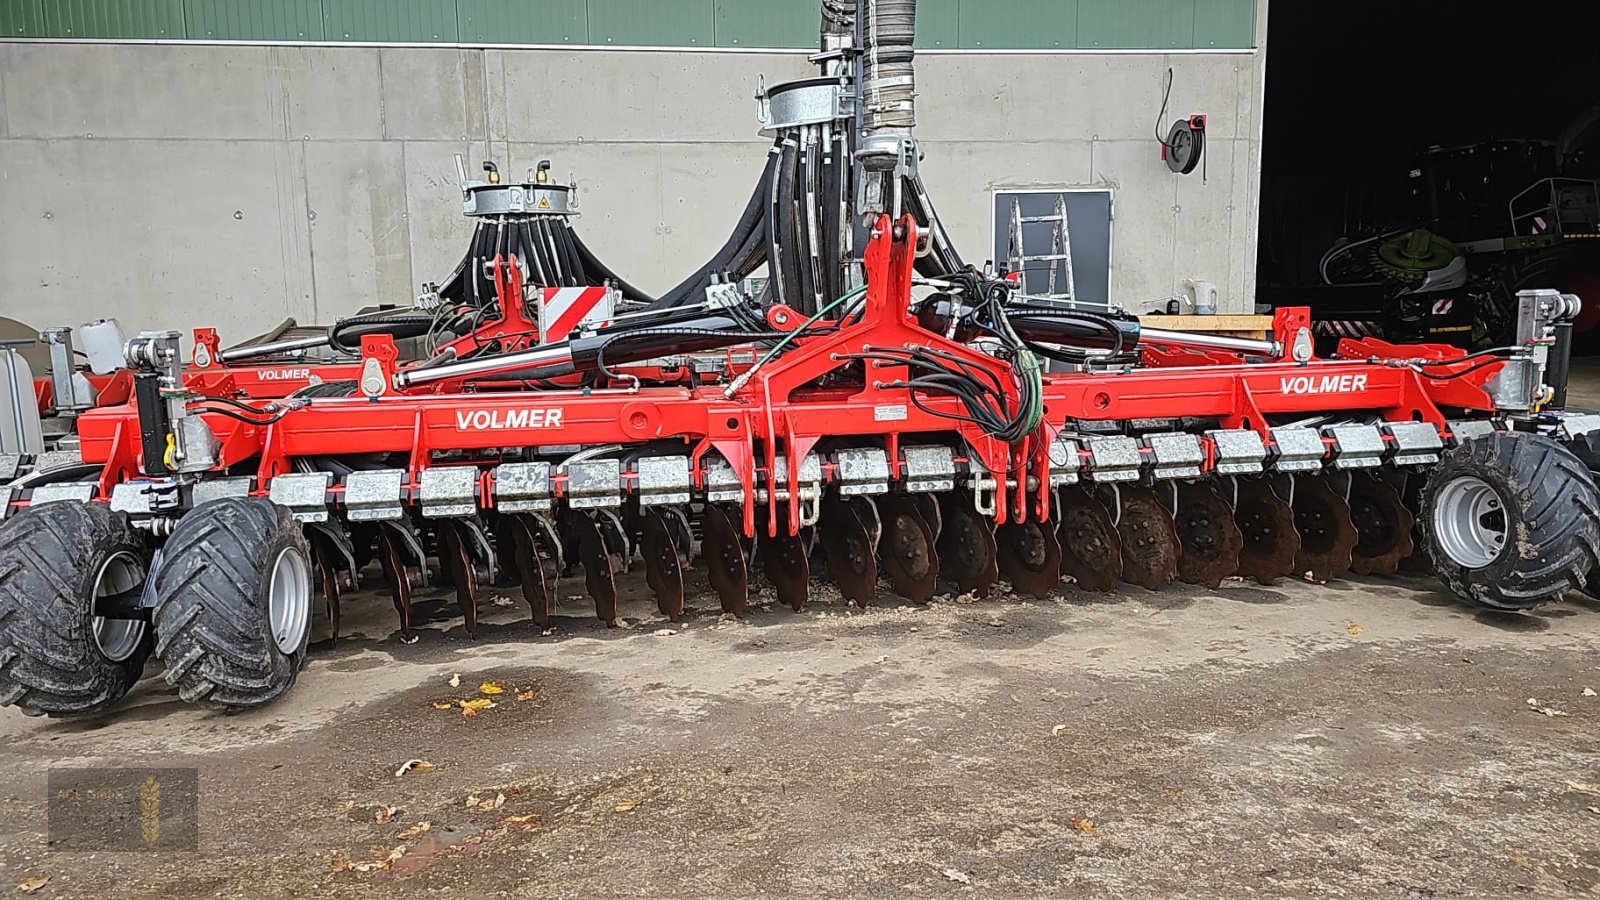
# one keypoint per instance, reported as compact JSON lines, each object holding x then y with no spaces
{"x":175,"y":185}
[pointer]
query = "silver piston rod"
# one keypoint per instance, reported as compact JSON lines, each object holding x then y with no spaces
{"x":1204,"y":341}
{"x":274,"y":348}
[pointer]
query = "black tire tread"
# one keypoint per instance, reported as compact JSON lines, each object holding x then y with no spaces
{"x":1554,"y":530}
{"x":211,"y":629}
{"x":49,"y":662}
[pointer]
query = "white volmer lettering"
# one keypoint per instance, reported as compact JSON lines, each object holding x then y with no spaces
{"x":501,"y":419}
{"x":283,"y":374}
{"x":1327,"y":384}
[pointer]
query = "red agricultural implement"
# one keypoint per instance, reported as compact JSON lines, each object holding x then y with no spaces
{"x":880,"y":414}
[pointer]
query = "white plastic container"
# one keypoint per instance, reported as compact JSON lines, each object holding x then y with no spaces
{"x":1203,"y":296}
{"x":102,"y":342}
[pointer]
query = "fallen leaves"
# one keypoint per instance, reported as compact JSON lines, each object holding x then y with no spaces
{"x":33,"y":883}
{"x":1582,"y":787}
{"x":455,"y":681}
{"x":628,"y":805}
{"x":495,"y":802}
{"x":1057,"y":730}
{"x":414,"y":831}
{"x":957,"y":876}
{"x":1354,"y":628}
{"x":1086,"y":826}
{"x":491,"y":688}
{"x":528,"y":822}
{"x":415,"y":767}
{"x":384,"y":813}
{"x":1588,"y":692}
{"x":525,"y":696}
{"x":502,"y":600}
{"x":443,"y":704}
{"x":1536,"y":706}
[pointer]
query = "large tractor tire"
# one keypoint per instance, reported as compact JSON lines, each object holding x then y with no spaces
{"x":58,"y":658}
{"x":1511,"y":520}
{"x":233,"y":594}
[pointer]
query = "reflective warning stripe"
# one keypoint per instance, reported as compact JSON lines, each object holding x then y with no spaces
{"x":1442,"y":306}
{"x":566,"y":307}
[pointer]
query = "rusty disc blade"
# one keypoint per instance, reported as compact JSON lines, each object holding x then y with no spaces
{"x":1207,"y":536}
{"x":1150,"y":546}
{"x":676,"y":521}
{"x":456,"y":560}
{"x":394,"y":572}
{"x":1091,"y":549}
{"x":1383,"y":526}
{"x":724,"y":558}
{"x":906,"y":549}
{"x":966,"y":545}
{"x":1029,"y":556}
{"x":599,"y":577}
{"x":850,"y":550}
{"x":529,"y":568}
{"x":663,"y":569}
{"x":1266,"y":524}
{"x":1327,"y":536}
{"x":327,"y":559}
{"x":783,"y":558}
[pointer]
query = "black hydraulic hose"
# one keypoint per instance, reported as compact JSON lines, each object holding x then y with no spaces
{"x":346,"y":334}
{"x":561,"y":237}
{"x":785,"y":213}
{"x":833,"y":206}
{"x":804,"y":252}
{"x":599,"y":272}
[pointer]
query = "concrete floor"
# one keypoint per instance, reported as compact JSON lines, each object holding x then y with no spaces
{"x":1369,"y":737}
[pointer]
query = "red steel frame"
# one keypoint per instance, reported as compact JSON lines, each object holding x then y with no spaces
{"x":781,"y":410}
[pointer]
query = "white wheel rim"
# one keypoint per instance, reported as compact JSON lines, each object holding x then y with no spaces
{"x":289,"y":600}
{"x":118,"y":639}
{"x":1469,"y":522}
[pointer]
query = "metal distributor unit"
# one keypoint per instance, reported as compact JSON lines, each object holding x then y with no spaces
{"x":834,"y":425}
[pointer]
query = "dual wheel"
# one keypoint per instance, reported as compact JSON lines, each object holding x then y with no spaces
{"x":233,"y":587}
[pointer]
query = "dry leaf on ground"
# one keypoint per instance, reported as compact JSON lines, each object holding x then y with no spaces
{"x":1588,"y":692}
{"x":1353,"y":628}
{"x":491,"y":688}
{"x":338,"y":864}
{"x":469,"y":712}
{"x":414,"y":767}
{"x":1057,"y":730}
{"x":416,"y":830}
{"x":29,"y":885}
{"x":441,"y":704}
{"x":476,"y":703}
{"x":384,"y":813}
{"x":1084,"y":825}
{"x":525,"y":696}
{"x":958,"y":876}
{"x":626,"y":805}
{"x":455,"y":681}
{"x":530,"y":820}
{"x":1541,"y":709}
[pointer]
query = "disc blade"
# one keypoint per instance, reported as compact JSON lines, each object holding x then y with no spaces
{"x":1327,"y":536}
{"x":1150,"y":546}
{"x":849,"y":548}
{"x":1417,"y":561}
{"x":1207,"y":536}
{"x":1091,"y":548}
{"x":327,"y":560}
{"x":456,"y":560}
{"x":599,"y":575}
{"x":724,"y":558}
{"x":784,"y":560}
{"x":1383,"y":526}
{"x":394,"y":572}
{"x":966,"y":545}
{"x":529,"y":568}
{"x":1266,"y":523}
{"x":1029,"y":556}
{"x":663,"y":570}
{"x":906,"y":550}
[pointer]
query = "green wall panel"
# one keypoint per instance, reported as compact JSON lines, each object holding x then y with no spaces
{"x":523,"y":21}
{"x":938,"y":23}
{"x":22,"y":18}
{"x":114,"y":18}
{"x":1124,"y":24}
{"x":1224,"y":24}
{"x":262,"y":20}
{"x":1018,"y":25}
{"x":941,"y":24}
{"x":763,"y":23}
{"x":389,"y":20}
{"x":655,"y":23}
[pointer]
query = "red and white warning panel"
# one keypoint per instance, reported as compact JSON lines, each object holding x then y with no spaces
{"x":563,"y":309}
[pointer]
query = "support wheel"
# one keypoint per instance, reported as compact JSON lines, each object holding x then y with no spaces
{"x":234,"y":603}
{"x":58,"y":658}
{"x":1511,"y":520}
